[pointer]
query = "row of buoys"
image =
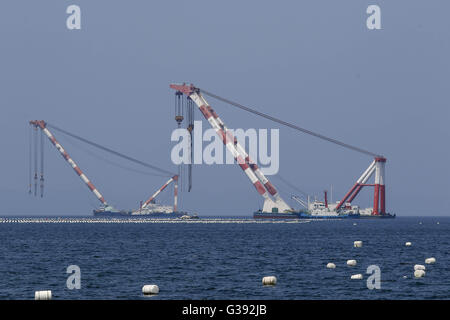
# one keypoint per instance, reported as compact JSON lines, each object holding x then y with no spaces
{"x":350,"y":263}
{"x":436,"y":222}
{"x":419,"y":269}
{"x":148,"y":289}
{"x":145,"y":220}
{"x":152,"y":289}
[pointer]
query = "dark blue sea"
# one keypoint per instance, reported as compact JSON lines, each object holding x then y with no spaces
{"x":226,"y":260}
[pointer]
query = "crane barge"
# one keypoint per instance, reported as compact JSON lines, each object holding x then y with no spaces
{"x":274,"y":207}
{"x":148,"y":209}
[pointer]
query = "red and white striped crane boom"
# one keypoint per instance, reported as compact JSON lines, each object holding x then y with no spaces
{"x":43,"y":126}
{"x":263,"y":186}
{"x":175,"y":192}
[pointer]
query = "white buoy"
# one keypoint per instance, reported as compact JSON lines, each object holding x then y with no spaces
{"x":419,"y":267}
{"x":331,"y":265}
{"x":408,"y":244}
{"x":437,"y":222}
{"x":430,"y":260}
{"x":358,"y":276}
{"x":357,"y":244}
{"x":351,"y":263}
{"x":269,"y":281}
{"x":43,"y":295}
{"x":354,"y":224}
{"x":150,"y":289}
{"x":419,"y":273}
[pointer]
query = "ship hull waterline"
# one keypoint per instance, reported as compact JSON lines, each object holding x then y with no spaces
{"x":128,"y":214}
{"x":302,"y":215}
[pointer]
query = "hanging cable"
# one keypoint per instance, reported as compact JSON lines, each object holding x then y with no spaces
{"x":35,"y":132}
{"x":287,"y":124}
{"x":190,"y":128}
{"x":96,"y":156}
{"x":121,"y":155}
{"x":30,"y":156}
{"x":291,"y":185}
{"x":42,"y":163}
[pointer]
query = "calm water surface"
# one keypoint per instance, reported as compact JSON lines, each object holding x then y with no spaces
{"x":226,"y":261}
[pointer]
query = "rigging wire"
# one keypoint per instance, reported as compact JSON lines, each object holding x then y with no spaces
{"x":121,"y":155}
{"x":94,"y":155}
{"x":42,"y":163}
{"x":35,"y":160}
{"x":291,"y":185}
{"x":290,"y":125}
{"x":30,"y":160}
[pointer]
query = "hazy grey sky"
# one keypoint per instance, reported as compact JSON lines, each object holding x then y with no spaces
{"x":313,"y":63}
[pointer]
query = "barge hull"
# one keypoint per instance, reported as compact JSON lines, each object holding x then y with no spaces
{"x":128,"y":214}
{"x":303,"y":215}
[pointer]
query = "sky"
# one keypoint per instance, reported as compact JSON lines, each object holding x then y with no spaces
{"x":313,"y":63}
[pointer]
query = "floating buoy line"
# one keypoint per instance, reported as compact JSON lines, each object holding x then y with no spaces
{"x":145,"y":220}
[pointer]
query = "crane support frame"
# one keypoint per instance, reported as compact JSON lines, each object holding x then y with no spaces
{"x":175,"y":192}
{"x":377,"y":166}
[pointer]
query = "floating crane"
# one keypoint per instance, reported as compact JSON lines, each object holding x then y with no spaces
{"x":105,"y":209}
{"x":273,"y":202}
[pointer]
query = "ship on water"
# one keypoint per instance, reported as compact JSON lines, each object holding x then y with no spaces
{"x":147,"y":209}
{"x":274,"y":207}
{"x":320,"y":210}
{"x":323,"y":210}
{"x":152,"y":211}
